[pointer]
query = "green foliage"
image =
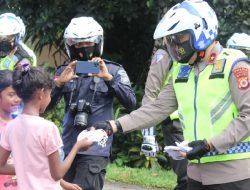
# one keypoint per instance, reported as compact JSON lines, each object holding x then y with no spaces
{"x":143,"y":177}
{"x":129,"y":25}
{"x":234,"y":16}
{"x":56,"y":115}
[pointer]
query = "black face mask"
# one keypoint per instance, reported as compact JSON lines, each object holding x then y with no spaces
{"x":5,"y":48}
{"x":180,"y":52}
{"x":83,"y":53}
{"x":188,"y":56}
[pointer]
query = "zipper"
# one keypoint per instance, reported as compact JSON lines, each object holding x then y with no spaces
{"x":195,"y":104}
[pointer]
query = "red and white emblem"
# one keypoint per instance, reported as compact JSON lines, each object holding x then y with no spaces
{"x":242,"y":77}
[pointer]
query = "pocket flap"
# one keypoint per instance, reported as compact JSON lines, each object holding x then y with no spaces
{"x":95,"y":168}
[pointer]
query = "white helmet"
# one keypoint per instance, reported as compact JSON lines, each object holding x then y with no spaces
{"x":10,"y":25}
{"x":12,"y":30}
{"x":239,"y":41}
{"x":195,"y":17}
{"x":83,"y":29}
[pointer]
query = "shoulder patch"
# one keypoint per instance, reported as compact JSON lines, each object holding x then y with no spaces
{"x":241,"y":74}
{"x":124,"y":77}
{"x":157,"y":57}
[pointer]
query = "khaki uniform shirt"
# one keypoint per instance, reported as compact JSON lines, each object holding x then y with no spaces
{"x":209,"y":173}
{"x":159,"y":68}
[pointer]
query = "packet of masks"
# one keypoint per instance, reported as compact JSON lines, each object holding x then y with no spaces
{"x":174,"y":151}
{"x":99,"y":136}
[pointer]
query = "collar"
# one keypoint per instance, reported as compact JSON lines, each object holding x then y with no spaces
{"x":216,"y":50}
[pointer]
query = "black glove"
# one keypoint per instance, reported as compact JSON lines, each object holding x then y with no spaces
{"x":200,"y":148}
{"x":105,"y":125}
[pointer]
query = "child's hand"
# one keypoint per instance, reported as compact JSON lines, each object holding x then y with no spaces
{"x":98,"y":136}
{"x":84,"y":144}
{"x":69,"y":186}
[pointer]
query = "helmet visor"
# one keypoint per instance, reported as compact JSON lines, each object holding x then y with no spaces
{"x":9,"y":38}
{"x":180,"y":46}
{"x":73,"y":41}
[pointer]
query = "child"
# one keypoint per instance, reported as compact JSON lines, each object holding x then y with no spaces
{"x":9,"y":102}
{"x":33,"y":141}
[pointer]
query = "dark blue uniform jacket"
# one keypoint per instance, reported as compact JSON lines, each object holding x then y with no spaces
{"x":101,"y":100}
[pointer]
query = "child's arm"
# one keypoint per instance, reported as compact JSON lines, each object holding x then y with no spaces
{"x":69,"y":186}
{"x":57,"y":168}
{"x":4,"y":167}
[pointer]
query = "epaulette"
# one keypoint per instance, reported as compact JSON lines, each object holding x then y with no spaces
{"x":65,"y":63}
{"x":163,"y":47}
{"x":112,"y":62}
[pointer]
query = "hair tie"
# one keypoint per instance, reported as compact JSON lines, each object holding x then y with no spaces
{"x":24,"y":66}
{"x":17,"y":82}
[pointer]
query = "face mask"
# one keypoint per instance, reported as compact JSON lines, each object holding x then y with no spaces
{"x":83,"y":53}
{"x":5,"y":48}
{"x":180,"y":51}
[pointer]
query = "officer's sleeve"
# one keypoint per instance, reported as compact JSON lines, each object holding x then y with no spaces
{"x":239,"y":128}
{"x":122,"y":89}
{"x":158,"y":71}
{"x":152,"y":113}
{"x":56,"y":93}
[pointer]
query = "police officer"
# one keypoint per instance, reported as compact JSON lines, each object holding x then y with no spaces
{"x":158,"y":77}
{"x":212,"y":96}
{"x":12,"y":50}
{"x":84,"y":41}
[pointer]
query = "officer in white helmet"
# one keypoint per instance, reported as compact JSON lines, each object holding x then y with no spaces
{"x":13,"y":51}
{"x":240,"y":41}
{"x":84,"y":42}
{"x":209,"y":87}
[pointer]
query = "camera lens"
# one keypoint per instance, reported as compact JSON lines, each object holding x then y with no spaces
{"x":81,"y":120}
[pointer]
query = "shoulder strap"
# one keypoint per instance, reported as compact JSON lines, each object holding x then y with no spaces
{"x":112,"y":62}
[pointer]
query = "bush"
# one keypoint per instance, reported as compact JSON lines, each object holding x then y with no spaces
{"x":129,"y":25}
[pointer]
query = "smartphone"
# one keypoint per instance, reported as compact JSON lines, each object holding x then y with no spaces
{"x":85,"y":67}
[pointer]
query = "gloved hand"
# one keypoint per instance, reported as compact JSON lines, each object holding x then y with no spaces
{"x":200,"y":148}
{"x":105,"y":125}
{"x":149,"y":146}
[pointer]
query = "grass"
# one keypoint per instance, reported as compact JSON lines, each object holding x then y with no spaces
{"x":156,"y":178}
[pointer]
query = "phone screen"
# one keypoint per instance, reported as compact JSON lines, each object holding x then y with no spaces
{"x":85,"y":67}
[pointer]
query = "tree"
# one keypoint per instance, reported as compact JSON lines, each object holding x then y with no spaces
{"x":128,"y":25}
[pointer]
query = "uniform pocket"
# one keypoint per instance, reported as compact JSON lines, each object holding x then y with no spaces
{"x":101,"y":92}
{"x":95,"y":177}
{"x":99,"y":87}
{"x":95,"y":168}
